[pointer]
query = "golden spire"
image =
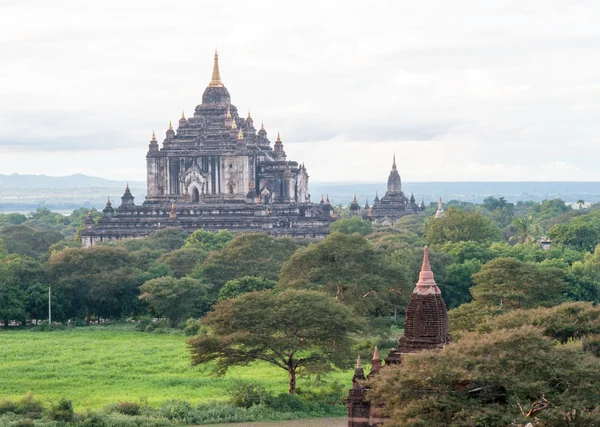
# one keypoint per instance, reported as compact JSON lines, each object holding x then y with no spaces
{"x":153,"y":137}
{"x":262,"y":125}
{"x":233,"y":125}
{"x":216,"y":75}
{"x":249,"y":116}
{"x":182,"y":115}
{"x":170,"y":125}
{"x":278,"y":137}
{"x":240,"y":135}
{"x":228,"y":113}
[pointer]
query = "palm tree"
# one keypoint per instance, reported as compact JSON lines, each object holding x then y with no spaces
{"x":525,"y":231}
{"x":581,"y":203}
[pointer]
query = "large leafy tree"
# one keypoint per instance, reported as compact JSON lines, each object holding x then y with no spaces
{"x":253,"y":254}
{"x":183,"y":261}
{"x":243,"y":285}
{"x":459,"y":225}
{"x":347,"y":267}
{"x":175,"y":299}
{"x":298,"y":331}
{"x":516,"y":284}
{"x":579,"y":233}
{"x":101,"y":281}
{"x":501,"y":378}
{"x":352,"y":225}
{"x":209,"y":240}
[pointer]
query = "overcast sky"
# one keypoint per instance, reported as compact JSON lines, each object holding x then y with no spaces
{"x":463,"y":90}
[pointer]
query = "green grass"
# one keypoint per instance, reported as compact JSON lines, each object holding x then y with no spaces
{"x":96,"y":366}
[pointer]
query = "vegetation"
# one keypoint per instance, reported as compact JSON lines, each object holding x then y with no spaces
{"x":274,"y":304}
{"x":297,"y":331}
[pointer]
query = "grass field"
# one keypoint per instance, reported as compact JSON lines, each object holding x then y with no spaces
{"x":96,"y":366}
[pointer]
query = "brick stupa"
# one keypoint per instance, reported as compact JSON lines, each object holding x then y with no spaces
{"x":425,"y":328}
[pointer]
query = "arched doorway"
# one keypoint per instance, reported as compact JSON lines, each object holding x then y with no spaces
{"x":195,"y":195}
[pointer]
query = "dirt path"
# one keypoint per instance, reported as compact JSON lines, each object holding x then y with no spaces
{"x":315,"y":422}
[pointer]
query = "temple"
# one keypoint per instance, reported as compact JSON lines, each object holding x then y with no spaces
{"x":393,"y":205}
{"x":425,"y":328}
{"x":217,"y":171}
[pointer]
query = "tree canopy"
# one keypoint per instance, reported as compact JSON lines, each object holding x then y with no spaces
{"x":460,"y":226}
{"x":296,"y":330}
{"x":347,"y":267}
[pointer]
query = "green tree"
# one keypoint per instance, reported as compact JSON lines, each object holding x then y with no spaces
{"x":243,"y":285}
{"x":183,"y":261}
{"x":209,"y":240}
{"x":460,"y":225}
{"x":295,"y":330}
{"x":352,"y":225}
{"x":98,"y":281}
{"x":175,"y":299}
{"x":254,"y":254}
{"x":499,"y":378}
{"x":526,"y":231}
{"x":347,"y":267}
{"x":12,"y":297}
{"x":516,"y":284}
{"x":458,"y":282}
{"x":579,"y":233}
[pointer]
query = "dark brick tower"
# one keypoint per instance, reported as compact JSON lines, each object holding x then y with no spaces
{"x":425,"y":328}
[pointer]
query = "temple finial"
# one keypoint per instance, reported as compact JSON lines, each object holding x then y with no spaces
{"x":376,"y":354}
{"x":182,"y":115}
{"x":228,"y":113}
{"x":233,"y":125}
{"x":426,"y":266}
{"x":216,"y":74}
{"x":262,"y":125}
{"x":358,"y":363}
{"x":278,"y":137}
{"x":394,"y":163}
{"x":170,"y":125}
{"x":153,"y":137}
{"x":249,"y":116}
{"x":355,"y":201}
{"x":240,"y":135}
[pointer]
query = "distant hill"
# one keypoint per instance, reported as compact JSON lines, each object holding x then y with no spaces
{"x":72,"y":181}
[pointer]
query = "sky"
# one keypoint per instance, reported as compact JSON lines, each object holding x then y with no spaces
{"x":468,"y":90}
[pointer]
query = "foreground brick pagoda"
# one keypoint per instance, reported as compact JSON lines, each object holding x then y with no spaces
{"x":216,"y":171}
{"x":425,"y":328}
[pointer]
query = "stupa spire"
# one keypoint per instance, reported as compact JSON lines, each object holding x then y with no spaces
{"x":152,"y":140}
{"x":216,"y":74}
{"x":394,"y":163}
{"x":170,"y":125}
{"x":240,"y":135}
{"x":262,"y":125}
{"x":426,"y":284}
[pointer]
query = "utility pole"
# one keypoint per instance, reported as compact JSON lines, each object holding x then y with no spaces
{"x":49,"y":305}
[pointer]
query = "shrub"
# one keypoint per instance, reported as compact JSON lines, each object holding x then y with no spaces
{"x":128,"y":408}
{"x":8,"y":406}
{"x":288,"y":403}
{"x":592,"y":344}
{"x":192,"y":327}
{"x":26,"y":422}
{"x":245,"y":394}
{"x":30,"y":407}
{"x":61,"y":411}
{"x":178,"y":410}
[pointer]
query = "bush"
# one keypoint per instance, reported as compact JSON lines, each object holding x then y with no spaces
{"x":128,"y":408}
{"x":30,"y":407}
{"x":192,"y":327}
{"x":288,"y":403}
{"x":61,"y":411}
{"x":178,"y":410}
{"x":8,"y":406}
{"x":244,"y":394}
{"x":592,"y":344}
{"x":26,"y":422}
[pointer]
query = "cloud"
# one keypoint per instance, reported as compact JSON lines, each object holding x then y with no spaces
{"x":458,"y":90}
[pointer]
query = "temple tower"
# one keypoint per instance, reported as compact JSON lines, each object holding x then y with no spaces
{"x":425,"y":328}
